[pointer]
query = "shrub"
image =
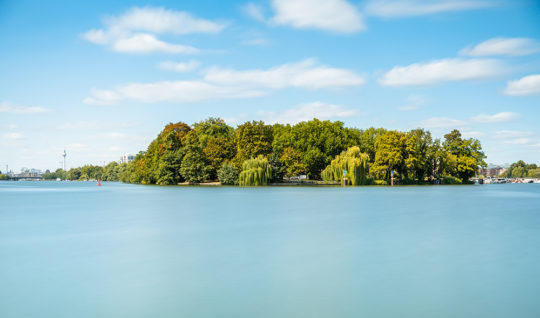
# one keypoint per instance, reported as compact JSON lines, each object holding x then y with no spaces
{"x":451,"y":180}
{"x":228,"y":174}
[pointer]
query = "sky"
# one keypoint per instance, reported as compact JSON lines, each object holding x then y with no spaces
{"x":101,"y":78}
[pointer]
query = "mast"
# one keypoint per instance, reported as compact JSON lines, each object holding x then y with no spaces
{"x":64,"y":161}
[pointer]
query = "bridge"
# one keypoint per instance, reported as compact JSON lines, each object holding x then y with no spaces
{"x":26,"y":176}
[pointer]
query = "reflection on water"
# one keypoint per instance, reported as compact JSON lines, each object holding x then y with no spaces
{"x":70,"y":249}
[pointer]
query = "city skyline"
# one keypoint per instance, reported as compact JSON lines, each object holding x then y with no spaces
{"x":101,"y":79}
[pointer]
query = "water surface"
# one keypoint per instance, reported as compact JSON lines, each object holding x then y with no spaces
{"x":72,"y":249}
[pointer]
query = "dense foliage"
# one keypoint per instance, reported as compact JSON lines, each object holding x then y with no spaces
{"x":228,"y":174}
{"x":255,"y":172}
{"x":351,"y":164}
{"x":212,"y":150}
{"x":521,"y":169}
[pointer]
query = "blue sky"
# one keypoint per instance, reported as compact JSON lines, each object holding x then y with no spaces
{"x":101,"y":78}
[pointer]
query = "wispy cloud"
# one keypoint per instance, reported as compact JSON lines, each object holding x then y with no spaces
{"x":307,"y":112}
{"x":518,"y":141}
{"x":441,"y":122}
{"x":304,"y":74}
{"x":147,"y":43}
{"x":409,"y":8}
{"x":495,"y":118}
{"x":441,"y":71}
{"x":528,"y":85}
{"x":472,"y":134}
{"x":254,"y":11}
{"x":414,"y":102}
{"x":135,"y":31}
{"x":220,"y":83}
{"x":12,"y":136}
{"x":8,"y":107}
{"x":179,"y":66}
{"x":512,"y":133}
{"x":445,"y":122}
{"x":503,"y":46}
{"x":338,"y":16}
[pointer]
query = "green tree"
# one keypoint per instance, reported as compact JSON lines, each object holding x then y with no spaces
{"x":195,"y":168}
{"x":255,"y":172}
{"x":417,"y":151}
{"x":227,"y":174}
{"x":292,"y":161}
{"x":252,"y":139}
{"x":390,"y":154}
{"x":464,"y":156}
{"x":354,"y":163}
{"x":110,"y":171}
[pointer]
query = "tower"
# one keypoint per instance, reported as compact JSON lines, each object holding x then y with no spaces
{"x":64,"y":162}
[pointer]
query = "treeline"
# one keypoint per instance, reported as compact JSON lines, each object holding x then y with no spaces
{"x":257,"y":154}
{"x":521,"y":169}
{"x":110,"y":172}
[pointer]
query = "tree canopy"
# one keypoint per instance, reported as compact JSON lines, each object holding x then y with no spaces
{"x":211,"y":150}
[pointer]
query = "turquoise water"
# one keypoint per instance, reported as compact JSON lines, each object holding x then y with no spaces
{"x":72,"y":249}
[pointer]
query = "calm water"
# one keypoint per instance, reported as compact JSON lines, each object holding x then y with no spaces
{"x":78,"y":250}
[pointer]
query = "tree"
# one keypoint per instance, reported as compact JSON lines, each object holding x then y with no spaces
{"x":317,"y":142}
{"x":110,"y":171}
{"x":278,"y":170}
{"x":252,"y":139}
{"x":390,"y":154}
{"x":227,"y":174}
{"x":354,"y":163}
{"x":534,"y":173}
{"x":417,"y":149}
{"x":195,"y":167}
{"x":169,"y":168}
{"x":367,"y":141}
{"x":464,"y":155}
{"x":255,"y":172}
{"x":292,"y":162}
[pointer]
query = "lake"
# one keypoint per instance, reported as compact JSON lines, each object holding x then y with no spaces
{"x":72,"y":249}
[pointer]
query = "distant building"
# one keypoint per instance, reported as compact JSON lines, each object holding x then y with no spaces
{"x":493,"y":172}
{"x":127,"y":158}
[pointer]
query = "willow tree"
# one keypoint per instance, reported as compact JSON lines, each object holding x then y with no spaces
{"x":255,"y":172}
{"x":353,"y":162}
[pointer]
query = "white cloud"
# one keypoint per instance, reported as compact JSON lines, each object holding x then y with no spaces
{"x":441,"y":122}
{"x":8,"y":107}
{"x":12,"y":136}
{"x":89,"y":125}
{"x":414,"y":102}
{"x":503,"y":46}
{"x":512,"y":133}
{"x":257,"y":41}
{"x":179,"y":66}
{"x":307,"y":112}
{"x":329,"y":15}
{"x":518,"y":141}
{"x":304,"y":74}
{"x":134,"y":31}
{"x":472,"y":134}
{"x":440,"y":71}
{"x":408,"y":8}
{"x":254,"y":11}
{"x":495,"y":118}
{"x":169,"y":91}
{"x":229,"y":83}
{"x":147,"y":43}
{"x":528,"y":85}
